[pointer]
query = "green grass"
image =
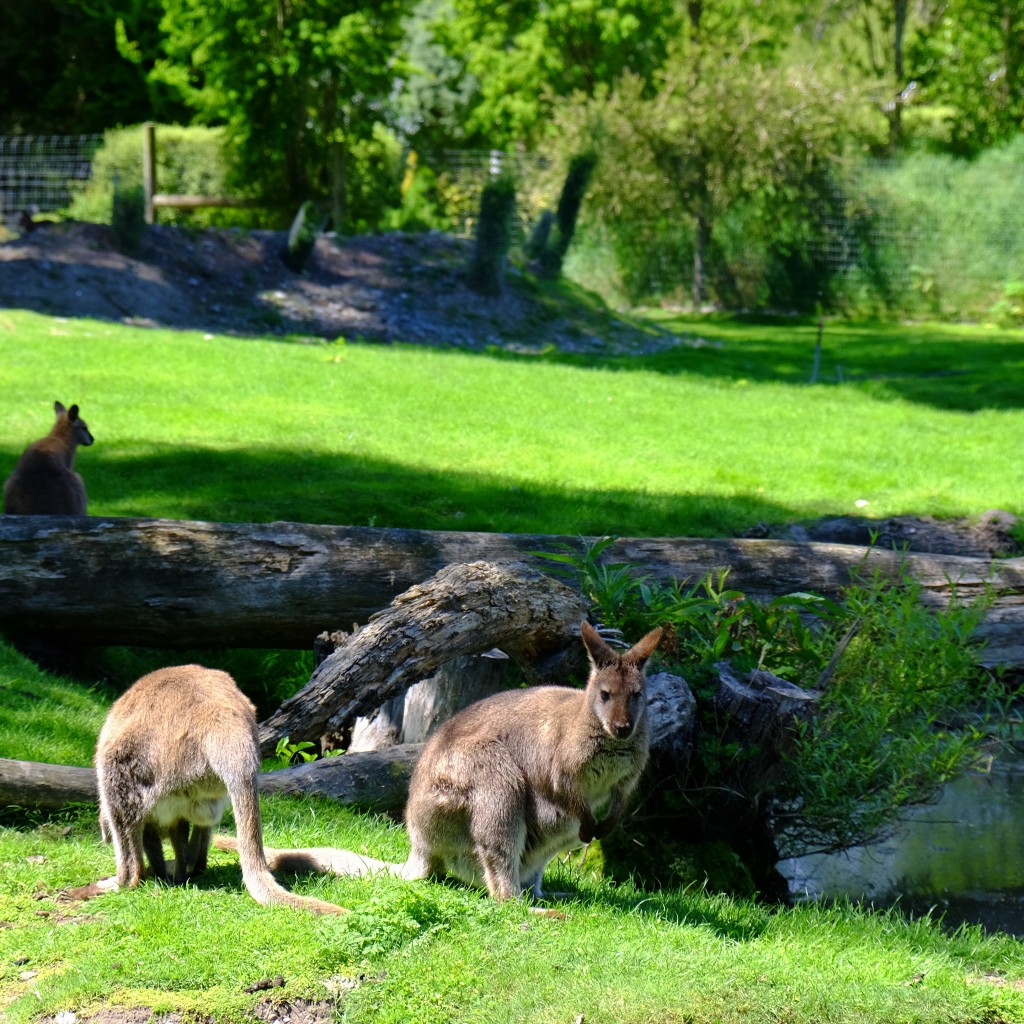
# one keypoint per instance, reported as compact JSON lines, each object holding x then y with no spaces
{"x":697,"y":441}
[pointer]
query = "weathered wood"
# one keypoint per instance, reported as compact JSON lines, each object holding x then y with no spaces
{"x":180,"y":584}
{"x":411,"y":717}
{"x":376,"y":781}
{"x":32,"y":784}
{"x":463,"y":609}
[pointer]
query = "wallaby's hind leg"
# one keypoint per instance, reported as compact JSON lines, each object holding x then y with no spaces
{"x":128,"y":847}
{"x":178,"y":835}
{"x":154,"y":847}
{"x":498,"y":830}
{"x":124,"y":780}
{"x":198,"y":849}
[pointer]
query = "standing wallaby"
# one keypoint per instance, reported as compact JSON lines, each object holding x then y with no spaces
{"x":43,"y":481}
{"x":174,"y":747}
{"x":512,"y":780}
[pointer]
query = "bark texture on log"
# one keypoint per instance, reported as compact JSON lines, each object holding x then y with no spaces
{"x":462,"y":610}
{"x":411,"y":717}
{"x":179,"y":584}
{"x":32,"y":784}
{"x":376,"y":781}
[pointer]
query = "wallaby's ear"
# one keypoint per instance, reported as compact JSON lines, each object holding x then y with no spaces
{"x":58,"y":408}
{"x":73,"y":413}
{"x":599,"y":653}
{"x":643,"y":648}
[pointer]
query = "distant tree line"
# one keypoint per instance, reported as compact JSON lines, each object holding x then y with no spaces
{"x":727,"y":117}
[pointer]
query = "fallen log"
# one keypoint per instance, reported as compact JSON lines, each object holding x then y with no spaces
{"x":376,"y":780}
{"x":177,"y":584}
{"x":464,"y":609}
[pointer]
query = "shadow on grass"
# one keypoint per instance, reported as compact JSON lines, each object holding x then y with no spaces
{"x":282,"y":485}
{"x":947,"y":367}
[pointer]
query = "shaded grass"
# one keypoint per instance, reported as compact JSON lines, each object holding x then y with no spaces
{"x":431,"y":952}
{"x":440,"y":952}
{"x":695,"y":441}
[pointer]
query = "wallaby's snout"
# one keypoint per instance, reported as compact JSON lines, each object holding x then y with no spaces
{"x":619,"y":702}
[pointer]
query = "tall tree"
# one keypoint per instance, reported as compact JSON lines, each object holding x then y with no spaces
{"x":297,"y":82}
{"x":522,"y":55}
{"x":974,"y":64}
{"x":718,"y":132}
{"x":72,"y":66}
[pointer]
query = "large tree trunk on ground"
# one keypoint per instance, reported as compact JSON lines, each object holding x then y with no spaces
{"x":462,"y":610}
{"x":177,"y":584}
{"x":377,"y":781}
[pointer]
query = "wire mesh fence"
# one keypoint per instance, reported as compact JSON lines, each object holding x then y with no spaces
{"x":466,"y":172}
{"x":41,"y":173}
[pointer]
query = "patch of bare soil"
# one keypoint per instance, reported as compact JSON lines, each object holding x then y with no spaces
{"x":392,"y":287}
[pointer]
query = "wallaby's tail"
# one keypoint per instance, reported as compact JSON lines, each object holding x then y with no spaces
{"x":324,"y":860}
{"x":256,"y":874}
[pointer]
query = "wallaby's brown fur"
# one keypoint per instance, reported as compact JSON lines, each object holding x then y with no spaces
{"x":174,"y":747}
{"x":43,"y":481}
{"x":514,"y":779}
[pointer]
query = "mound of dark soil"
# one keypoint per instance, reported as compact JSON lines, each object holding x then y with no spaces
{"x":391,"y":287}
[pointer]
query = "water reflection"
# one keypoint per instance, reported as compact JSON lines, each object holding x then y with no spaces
{"x":962,"y":856}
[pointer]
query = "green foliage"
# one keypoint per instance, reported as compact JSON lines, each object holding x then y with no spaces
{"x":493,"y":236}
{"x":520,"y":57}
{"x":945,"y":234}
{"x":970,"y":66}
{"x":1009,"y":310}
{"x":723,"y":134}
{"x":287,"y":753}
{"x":189,"y":161}
{"x":304,"y":83}
{"x":894,"y":723}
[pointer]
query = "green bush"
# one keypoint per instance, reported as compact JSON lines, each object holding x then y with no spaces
{"x":189,"y":161}
{"x":900,"y":690}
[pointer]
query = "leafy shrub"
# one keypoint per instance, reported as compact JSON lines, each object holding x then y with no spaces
{"x":189,"y":161}
{"x":892,"y":726}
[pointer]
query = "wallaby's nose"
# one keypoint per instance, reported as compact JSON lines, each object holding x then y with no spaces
{"x":623,"y":730}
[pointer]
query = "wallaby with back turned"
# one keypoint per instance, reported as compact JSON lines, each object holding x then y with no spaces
{"x":510,"y":781}
{"x":43,"y":481}
{"x":174,"y":748}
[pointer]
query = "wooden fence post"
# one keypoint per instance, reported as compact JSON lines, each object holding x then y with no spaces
{"x":149,"y":168}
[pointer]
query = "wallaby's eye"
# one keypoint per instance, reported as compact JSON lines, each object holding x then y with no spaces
{"x":605,"y":696}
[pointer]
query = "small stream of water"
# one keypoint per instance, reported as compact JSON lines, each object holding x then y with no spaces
{"x":962,"y":857}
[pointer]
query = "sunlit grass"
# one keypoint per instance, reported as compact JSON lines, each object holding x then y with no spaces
{"x":696,"y":441}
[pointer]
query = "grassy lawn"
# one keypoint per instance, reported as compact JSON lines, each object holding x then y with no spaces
{"x":430,"y":952}
{"x":708,"y":438}
{"x":699,"y":440}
